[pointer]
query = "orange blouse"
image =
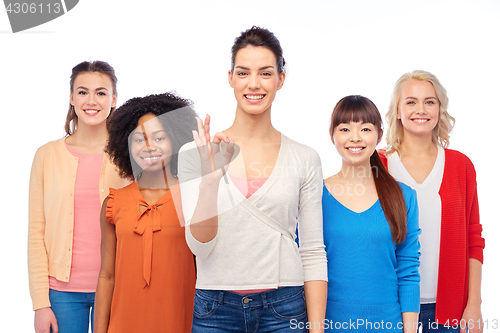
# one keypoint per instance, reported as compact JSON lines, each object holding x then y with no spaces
{"x":154,"y":268}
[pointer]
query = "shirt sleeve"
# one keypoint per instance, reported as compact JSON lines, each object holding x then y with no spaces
{"x":310,"y":221}
{"x":476,"y":241}
{"x":110,"y":205}
{"x":407,"y":256}
{"x":38,"y":267}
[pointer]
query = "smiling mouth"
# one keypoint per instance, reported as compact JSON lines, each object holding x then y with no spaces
{"x":255,"y":97}
{"x":151,"y":159}
{"x":420,"y":120}
{"x":355,"y":149}
{"x":91,"y":112}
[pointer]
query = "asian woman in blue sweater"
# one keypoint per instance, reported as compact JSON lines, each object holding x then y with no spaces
{"x":370,"y":224}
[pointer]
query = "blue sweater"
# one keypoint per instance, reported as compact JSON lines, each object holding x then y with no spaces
{"x":371,"y":279}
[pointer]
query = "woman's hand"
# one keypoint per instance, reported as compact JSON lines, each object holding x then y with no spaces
{"x":472,"y":319}
{"x":44,"y":320}
{"x":214,"y":162}
{"x":204,"y":222}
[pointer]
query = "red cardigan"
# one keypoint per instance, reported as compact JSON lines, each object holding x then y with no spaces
{"x":460,"y":235}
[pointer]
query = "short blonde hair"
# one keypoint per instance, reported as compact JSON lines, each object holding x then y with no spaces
{"x":440,"y":134}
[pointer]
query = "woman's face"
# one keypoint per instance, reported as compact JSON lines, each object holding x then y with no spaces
{"x":150,"y":146}
{"x":356,"y":142}
{"x":418,"y":107}
{"x":92,"y":97}
{"x":255,"y":79}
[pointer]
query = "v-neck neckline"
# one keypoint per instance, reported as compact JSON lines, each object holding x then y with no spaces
{"x":348,"y":209}
{"x":273,"y":177}
{"x":430,"y":177}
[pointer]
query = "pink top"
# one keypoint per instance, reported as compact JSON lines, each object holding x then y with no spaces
{"x":86,"y":258}
{"x":247,"y":187}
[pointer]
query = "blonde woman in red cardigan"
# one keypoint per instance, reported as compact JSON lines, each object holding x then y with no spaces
{"x":445,"y":181}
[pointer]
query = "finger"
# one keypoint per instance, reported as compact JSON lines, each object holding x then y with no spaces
{"x":207,"y":128}
{"x":201,"y":132}
{"x":196,"y":138}
{"x":228,"y":154}
{"x":198,"y":142}
{"x":220,"y":137}
{"x":55,"y":328}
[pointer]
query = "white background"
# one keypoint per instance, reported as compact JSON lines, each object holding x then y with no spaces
{"x":332,"y":48}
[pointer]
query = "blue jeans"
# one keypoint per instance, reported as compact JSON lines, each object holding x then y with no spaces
{"x":277,"y":311}
{"x":427,"y":319}
{"x":72,"y":310}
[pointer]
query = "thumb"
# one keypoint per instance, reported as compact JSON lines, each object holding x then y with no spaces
{"x":229,"y":150}
{"x":55,"y":328}
{"x":463,"y":326}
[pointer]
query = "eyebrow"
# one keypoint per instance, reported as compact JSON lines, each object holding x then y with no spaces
{"x":85,"y":88}
{"x":142,"y":133}
{"x":430,"y":97}
{"x":260,"y":69}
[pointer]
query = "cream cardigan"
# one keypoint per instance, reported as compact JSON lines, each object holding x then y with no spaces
{"x":247,"y":253}
{"x":51,"y":205}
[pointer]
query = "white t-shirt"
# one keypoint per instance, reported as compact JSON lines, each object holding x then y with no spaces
{"x":429,"y":208}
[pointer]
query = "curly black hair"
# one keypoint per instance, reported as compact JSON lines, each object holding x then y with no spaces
{"x":178,"y":125}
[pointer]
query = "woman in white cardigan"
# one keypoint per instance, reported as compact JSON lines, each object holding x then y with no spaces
{"x":252,"y":276}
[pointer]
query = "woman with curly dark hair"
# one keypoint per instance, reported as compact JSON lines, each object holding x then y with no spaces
{"x":147,"y":277}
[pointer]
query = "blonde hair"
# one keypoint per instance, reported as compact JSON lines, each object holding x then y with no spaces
{"x":440,"y":134}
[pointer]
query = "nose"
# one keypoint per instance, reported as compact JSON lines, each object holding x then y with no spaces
{"x":150,"y":145}
{"x":254,"y":82}
{"x":91,"y":99}
{"x":421,"y":108}
{"x":355,"y":137}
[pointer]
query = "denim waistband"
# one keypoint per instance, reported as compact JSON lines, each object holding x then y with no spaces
{"x":251,"y":300}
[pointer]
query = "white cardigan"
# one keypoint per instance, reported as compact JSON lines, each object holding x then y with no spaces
{"x":247,"y":253}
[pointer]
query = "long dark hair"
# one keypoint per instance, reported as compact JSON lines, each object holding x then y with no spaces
{"x":256,"y":36}
{"x":88,"y":67}
{"x":357,"y":108}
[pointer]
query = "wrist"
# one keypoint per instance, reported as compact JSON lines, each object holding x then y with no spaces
{"x":43,"y":309}
{"x":474,"y":302}
{"x":209,"y":186}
